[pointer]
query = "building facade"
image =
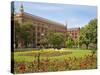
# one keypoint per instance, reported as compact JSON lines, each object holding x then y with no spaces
{"x":74,"y":32}
{"x":41,"y":25}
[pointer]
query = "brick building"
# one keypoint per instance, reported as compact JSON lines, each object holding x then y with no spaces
{"x":41,"y":25}
{"x":74,"y":32}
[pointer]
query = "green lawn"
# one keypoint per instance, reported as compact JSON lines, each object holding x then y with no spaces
{"x":29,"y":55}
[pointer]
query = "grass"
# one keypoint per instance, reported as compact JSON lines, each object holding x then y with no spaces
{"x":29,"y":55}
{"x":53,"y":60}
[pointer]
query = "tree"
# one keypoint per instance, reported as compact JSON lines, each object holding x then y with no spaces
{"x":56,"y":39}
{"x":69,"y":42}
{"x":88,"y":34}
{"x":23,"y":34}
{"x":43,"y":41}
{"x":27,"y":33}
{"x":16,"y":33}
{"x":76,"y":42}
{"x":93,"y":30}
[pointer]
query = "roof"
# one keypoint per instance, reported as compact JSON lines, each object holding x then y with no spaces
{"x":43,"y":19}
{"x":71,"y":29}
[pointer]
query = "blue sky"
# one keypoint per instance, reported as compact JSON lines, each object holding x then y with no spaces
{"x":73,"y":15}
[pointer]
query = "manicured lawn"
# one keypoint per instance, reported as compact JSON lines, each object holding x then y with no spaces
{"x":29,"y":56}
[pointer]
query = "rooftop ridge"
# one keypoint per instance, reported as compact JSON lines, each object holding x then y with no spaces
{"x":44,"y":19}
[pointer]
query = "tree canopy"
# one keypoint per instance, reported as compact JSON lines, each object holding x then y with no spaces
{"x":88,"y":34}
{"x":24,"y":33}
{"x":56,"y":39}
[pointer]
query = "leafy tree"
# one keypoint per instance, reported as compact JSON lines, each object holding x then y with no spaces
{"x":76,"y":42}
{"x":93,"y":30}
{"x":23,"y":33}
{"x":27,"y":33}
{"x":88,"y":34}
{"x":69,"y":42}
{"x":43,"y":41}
{"x":56,"y":39}
{"x":16,"y":33}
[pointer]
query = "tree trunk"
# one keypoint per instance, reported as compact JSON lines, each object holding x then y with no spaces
{"x":87,"y":46}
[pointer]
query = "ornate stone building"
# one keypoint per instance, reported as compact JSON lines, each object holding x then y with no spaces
{"x":41,"y":25}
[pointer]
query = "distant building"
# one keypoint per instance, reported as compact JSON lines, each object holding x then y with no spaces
{"x":42,"y":25}
{"x":74,"y":32}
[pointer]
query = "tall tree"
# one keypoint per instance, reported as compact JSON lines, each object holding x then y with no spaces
{"x":16,"y":33}
{"x":27,"y":33}
{"x":24,"y":34}
{"x":88,"y":34}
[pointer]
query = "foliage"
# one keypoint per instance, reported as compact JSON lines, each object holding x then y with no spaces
{"x":55,"y":39}
{"x":44,"y":41}
{"x":88,"y":34}
{"x":27,"y":33}
{"x":69,"y":42}
{"x":16,"y":33}
{"x":24,"y":33}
